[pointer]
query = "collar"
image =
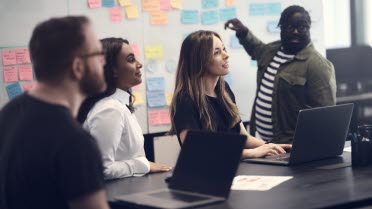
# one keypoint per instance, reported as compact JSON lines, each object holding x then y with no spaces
{"x":122,"y":96}
{"x":306,"y":52}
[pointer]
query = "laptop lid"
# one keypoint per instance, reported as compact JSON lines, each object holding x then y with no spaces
{"x":208,"y":162}
{"x":320,"y":133}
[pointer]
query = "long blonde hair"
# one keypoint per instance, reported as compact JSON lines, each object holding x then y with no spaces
{"x":195,"y":56}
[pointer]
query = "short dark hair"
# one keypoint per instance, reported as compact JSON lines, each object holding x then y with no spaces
{"x":54,"y":44}
{"x":289,"y":11}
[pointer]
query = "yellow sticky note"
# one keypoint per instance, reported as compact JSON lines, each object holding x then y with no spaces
{"x":168,"y":97}
{"x":131,"y":11}
{"x":154,"y":51}
{"x":229,"y":3}
{"x":158,"y":18}
{"x":125,"y":3}
{"x":138,"y":97}
{"x":150,"y":5}
{"x":177,"y":4}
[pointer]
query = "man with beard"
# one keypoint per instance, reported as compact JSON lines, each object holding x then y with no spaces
{"x":291,"y":75}
{"x":46,"y":159}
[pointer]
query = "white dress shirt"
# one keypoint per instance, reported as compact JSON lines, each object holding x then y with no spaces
{"x":119,"y":136}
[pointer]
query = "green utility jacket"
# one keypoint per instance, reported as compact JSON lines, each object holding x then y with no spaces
{"x":305,"y":82}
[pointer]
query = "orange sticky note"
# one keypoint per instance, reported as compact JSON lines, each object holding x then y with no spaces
{"x":22,"y":56}
{"x":116,"y":15}
{"x":158,"y":18}
{"x":165,"y":5}
{"x":229,"y":3}
{"x":177,"y":4}
{"x":125,"y":3}
{"x":10,"y":74}
{"x":135,"y":49}
{"x":25,"y":73}
{"x":94,"y":4}
{"x":28,"y":86}
{"x":150,"y":5}
{"x":9,"y":57}
{"x":131,"y":11}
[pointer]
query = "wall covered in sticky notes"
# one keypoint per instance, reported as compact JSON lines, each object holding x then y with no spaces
{"x":155,"y":30}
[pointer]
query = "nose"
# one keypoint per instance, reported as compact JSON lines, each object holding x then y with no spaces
{"x":226,"y":55}
{"x":295,"y":30}
{"x":139,"y":65}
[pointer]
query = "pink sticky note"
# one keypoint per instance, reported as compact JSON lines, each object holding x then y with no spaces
{"x":28,"y":86}
{"x":25,"y":73}
{"x":9,"y":57}
{"x":116,"y":15}
{"x":164,"y":116}
{"x":135,"y":49}
{"x":165,"y":5}
{"x":94,"y":4}
{"x":154,"y":118}
{"x":10,"y":74}
{"x":22,"y":56}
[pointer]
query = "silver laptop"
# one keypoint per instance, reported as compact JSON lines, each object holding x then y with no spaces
{"x":320,"y":133}
{"x":203,"y":174}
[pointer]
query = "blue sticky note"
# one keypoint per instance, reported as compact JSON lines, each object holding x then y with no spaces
{"x":209,"y":4}
{"x":14,"y":90}
{"x":108,"y":3}
{"x":156,"y":84}
{"x":272,"y":27}
{"x":253,"y":63}
{"x":209,"y":17}
{"x":234,"y":42}
{"x":156,"y":99}
{"x":228,"y":79}
{"x":257,"y":9}
{"x":273,"y":8}
{"x":190,"y":17}
{"x":227,"y":13}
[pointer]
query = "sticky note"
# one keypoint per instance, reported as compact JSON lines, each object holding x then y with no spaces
{"x":27,"y":86}
{"x":274,"y":8}
{"x":234,"y":42}
{"x":229,"y":3}
{"x":131,"y":11}
{"x":135,"y":49}
{"x":123,"y":3}
{"x":10,"y":74}
{"x":138,"y":99}
{"x":116,"y":14}
{"x":189,"y":16}
{"x":176,"y":4}
{"x":257,"y":9}
{"x":136,"y":87}
{"x":158,"y":18}
{"x":227,"y":13}
{"x":209,"y":4}
{"x":25,"y":73}
{"x":253,"y":63}
{"x":154,"y":51}
{"x":156,"y":84}
{"x":150,"y":5}
{"x":9,"y":57}
{"x":165,"y":5}
{"x":171,"y":66}
{"x":228,"y":79}
{"x":13,"y":90}
{"x":159,"y":117}
{"x":108,"y":3}
{"x":156,"y":99}
{"x":272,"y":27}
{"x":151,"y":66}
{"x":168,"y":97}
{"x":94,"y":4}
{"x":164,"y":117}
{"x":209,"y":17}
{"x":23,"y":56}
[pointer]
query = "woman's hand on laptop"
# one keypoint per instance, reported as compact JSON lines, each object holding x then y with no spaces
{"x":156,"y":168}
{"x":263,"y":150}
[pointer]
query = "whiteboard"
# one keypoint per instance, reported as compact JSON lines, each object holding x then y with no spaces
{"x":19,"y":17}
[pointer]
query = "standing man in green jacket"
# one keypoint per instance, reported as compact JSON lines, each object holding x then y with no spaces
{"x":291,"y":75}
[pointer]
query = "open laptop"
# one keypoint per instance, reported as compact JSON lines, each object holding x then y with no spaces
{"x":320,"y":133}
{"x":203,"y":174}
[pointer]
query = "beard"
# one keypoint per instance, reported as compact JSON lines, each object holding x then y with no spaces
{"x":291,"y":47}
{"x":92,"y":85}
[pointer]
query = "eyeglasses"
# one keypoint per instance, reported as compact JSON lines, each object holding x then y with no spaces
{"x":300,"y":28}
{"x":93,"y":54}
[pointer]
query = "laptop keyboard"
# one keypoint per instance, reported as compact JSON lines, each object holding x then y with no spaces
{"x":280,"y":157}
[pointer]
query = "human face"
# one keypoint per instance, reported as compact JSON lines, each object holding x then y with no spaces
{"x":219,"y":65}
{"x":93,"y":81}
{"x":295,"y":33}
{"x":128,"y":69}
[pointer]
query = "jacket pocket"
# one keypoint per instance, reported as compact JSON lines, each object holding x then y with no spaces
{"x":293,"y":79}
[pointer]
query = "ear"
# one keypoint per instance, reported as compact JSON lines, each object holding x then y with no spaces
{"x":77,"y":68}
